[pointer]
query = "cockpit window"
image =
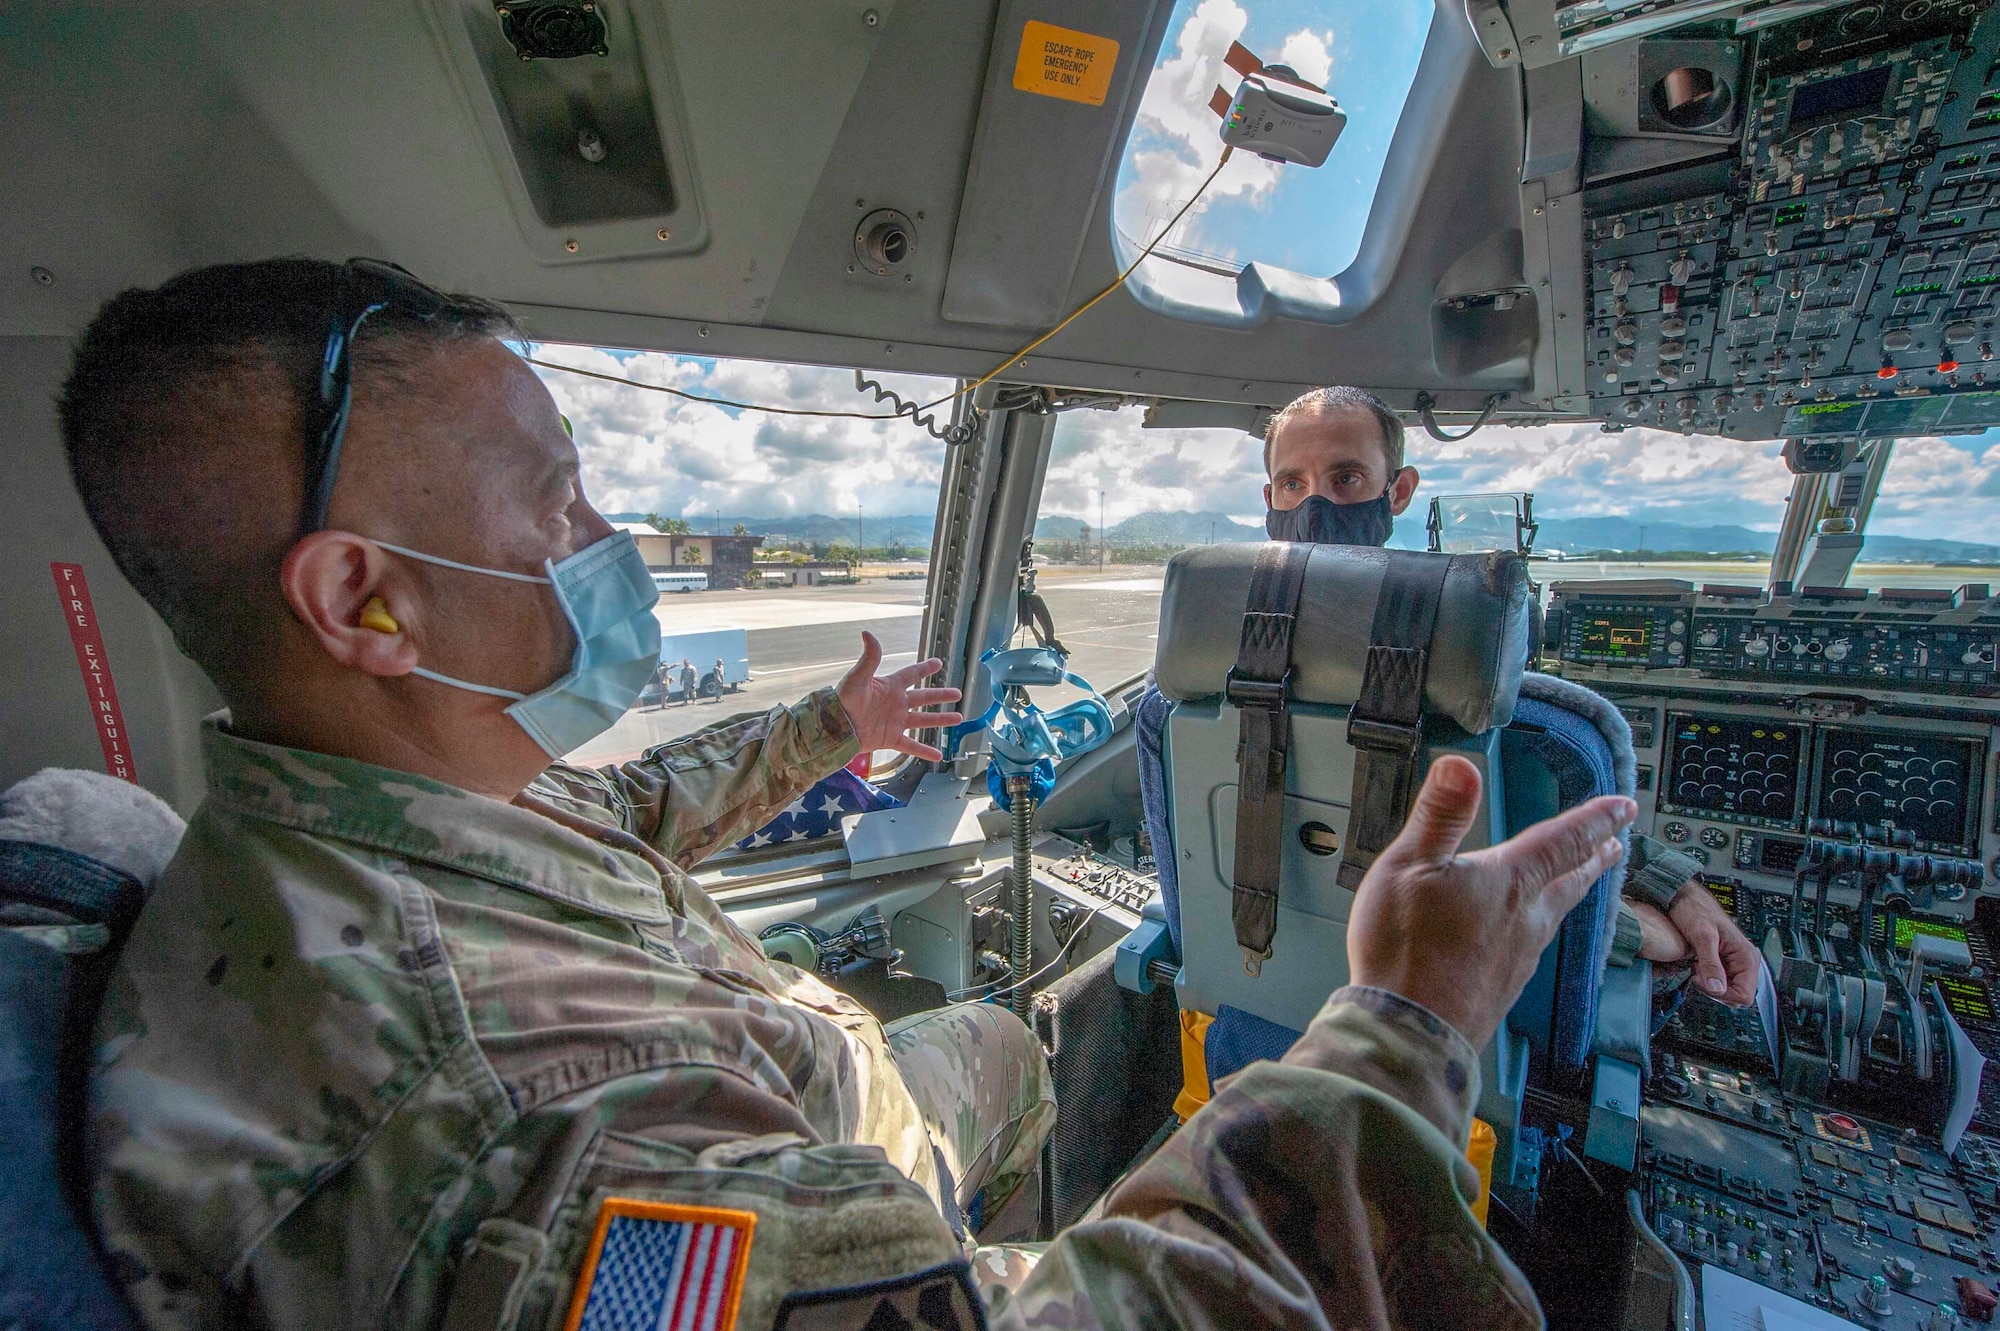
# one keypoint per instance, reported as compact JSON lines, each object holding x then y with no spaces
{"x":1936,"y":520}
{"x":1310,"y":220}
{"x":1650,"y":504}
{"x":774,"y":540}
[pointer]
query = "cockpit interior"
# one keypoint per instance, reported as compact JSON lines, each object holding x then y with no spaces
{"x":1774,"y":224}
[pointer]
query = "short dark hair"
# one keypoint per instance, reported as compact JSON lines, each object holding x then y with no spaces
{"x":1340,"y":395}
{"x":183,"y":418}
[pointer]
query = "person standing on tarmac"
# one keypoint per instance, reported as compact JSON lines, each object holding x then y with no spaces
{"x":687,"y":681}
{"x":424,"y":1026}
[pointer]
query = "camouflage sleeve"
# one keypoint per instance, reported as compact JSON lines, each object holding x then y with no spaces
{"x":1627,"y":938}
{"x":1329,"y":1189}
{"x":692,"y":795}
{"x":1655,"y":871}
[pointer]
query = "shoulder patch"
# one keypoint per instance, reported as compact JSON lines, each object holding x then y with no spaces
{"x":940,"y":1298}
{"x":654,"y":1266}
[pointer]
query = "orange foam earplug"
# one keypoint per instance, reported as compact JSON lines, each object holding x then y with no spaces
{"x":375,"y":615}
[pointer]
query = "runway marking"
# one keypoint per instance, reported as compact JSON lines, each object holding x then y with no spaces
{"x":676,"y":616}
{"x":1110,"y":585}
{"x":823,"y":665}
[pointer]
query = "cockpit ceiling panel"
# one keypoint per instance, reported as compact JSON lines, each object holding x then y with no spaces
{"x":143,"y":142}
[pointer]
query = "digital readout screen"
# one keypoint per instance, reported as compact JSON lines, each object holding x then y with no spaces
{"x":1740,"y":768}
{"x":1926,"y":785}
{"x":1829,"y":100}
{"x":1616,"y":637}
{"x":1967,"y":999}
{"x":1722,"y":890}
{"x":1907,"y":929}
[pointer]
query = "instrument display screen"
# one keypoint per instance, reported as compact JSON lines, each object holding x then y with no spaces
{"x":1626,"y":636}
{"x":1926,"y":785}
{"x":1733,"y":768}
{"x":1907,"y":929}
{"x":1967,"y":999}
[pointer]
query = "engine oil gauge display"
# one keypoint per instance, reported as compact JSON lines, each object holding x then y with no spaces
{"x":1734,"y":769}
{"x":1926,"y":785}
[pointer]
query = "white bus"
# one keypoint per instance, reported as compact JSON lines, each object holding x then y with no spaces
{"x":679,"y":580}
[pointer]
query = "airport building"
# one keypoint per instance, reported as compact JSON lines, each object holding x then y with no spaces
{"x":726,"y":559}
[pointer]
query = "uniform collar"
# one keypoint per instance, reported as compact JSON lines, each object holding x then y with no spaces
{"x":415,"y":817}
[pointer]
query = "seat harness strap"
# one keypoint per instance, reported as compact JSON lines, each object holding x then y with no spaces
{"x":1385,"y":728}
{"x":1258,"y":687}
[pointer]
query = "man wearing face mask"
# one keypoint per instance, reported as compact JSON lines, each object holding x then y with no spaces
{"x":1336,"y":475}
{"x":409,"y":967}
{"x":424,"y":1027}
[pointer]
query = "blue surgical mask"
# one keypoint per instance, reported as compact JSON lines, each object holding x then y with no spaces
{"x":607,"y":595}
{"x":1322,"y":522}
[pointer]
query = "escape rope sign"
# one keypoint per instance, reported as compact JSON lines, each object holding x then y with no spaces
{"x":1061,"y":62}
{"x":88,"y":639}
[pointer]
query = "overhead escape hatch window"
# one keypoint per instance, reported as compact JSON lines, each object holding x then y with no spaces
{"x":1363,"y":52}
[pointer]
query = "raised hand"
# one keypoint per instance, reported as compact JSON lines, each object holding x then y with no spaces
{"x":886,"y":709}
{"x":1461,"y":934}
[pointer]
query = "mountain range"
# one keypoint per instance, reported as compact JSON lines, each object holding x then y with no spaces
{"x":1570,"y":535}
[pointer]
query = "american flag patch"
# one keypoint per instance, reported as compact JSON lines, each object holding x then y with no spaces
{"x":654,"y":1266}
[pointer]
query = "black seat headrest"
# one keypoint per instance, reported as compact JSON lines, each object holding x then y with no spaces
{"x":1479,"y":648}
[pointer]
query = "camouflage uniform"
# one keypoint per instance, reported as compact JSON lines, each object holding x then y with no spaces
{"x":379,"y":1048}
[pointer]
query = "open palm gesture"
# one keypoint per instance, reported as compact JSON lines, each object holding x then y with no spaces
{"x":886,"y":708}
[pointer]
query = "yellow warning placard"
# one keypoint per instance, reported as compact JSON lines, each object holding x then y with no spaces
{"x":1065,"y":63}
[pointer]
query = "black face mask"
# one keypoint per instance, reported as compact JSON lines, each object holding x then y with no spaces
{"x":1323,"y":522}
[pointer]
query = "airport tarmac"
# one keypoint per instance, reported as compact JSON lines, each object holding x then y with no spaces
{"x":804,"y":638}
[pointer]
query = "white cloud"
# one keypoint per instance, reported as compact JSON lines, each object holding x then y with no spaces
{"x":650,"y":452}
{"x":1308,"y":53}
{"x":1176,"y":133}
{"x":1931,"y":490}
{"x":646,"y":452}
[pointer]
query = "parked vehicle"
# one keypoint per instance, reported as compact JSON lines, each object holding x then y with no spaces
{"x":680,"y":580}
{"x":730,"y":647}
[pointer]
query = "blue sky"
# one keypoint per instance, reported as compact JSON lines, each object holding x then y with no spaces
{"x":1308,"y":219}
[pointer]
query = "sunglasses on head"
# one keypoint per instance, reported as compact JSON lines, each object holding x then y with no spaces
{"x":367,"y":287}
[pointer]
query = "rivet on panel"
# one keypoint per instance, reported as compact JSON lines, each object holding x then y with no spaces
{"x":664,"y":234}
{"x":571,"y":246}
{"x":870,"y":17}
{"x":702,"y":331}
{"x":42,"y":275}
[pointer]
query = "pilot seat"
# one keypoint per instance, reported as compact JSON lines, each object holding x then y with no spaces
{"x":1310,"y":687}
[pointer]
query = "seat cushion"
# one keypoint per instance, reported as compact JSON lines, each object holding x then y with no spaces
{"x":1236,"y":1039}
{"x":50,"y":1275}
{"x":1478,"y":652}
{"x":1585,"y":747}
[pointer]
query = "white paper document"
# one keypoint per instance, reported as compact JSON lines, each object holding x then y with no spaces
{"x":1767,"y":1009}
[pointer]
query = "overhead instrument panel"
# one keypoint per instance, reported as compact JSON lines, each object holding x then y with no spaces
{"x":1734,"y":769}
{"x":1925,"y":785}
{"x":1830,"y":271}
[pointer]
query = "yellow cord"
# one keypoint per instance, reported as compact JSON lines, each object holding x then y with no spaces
{"x":1076,"y":314}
